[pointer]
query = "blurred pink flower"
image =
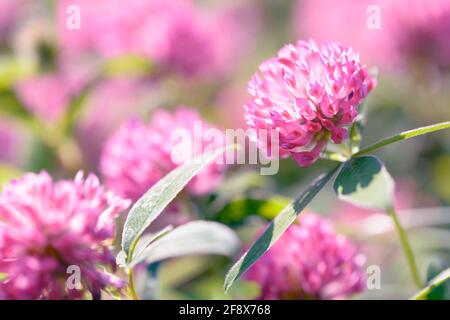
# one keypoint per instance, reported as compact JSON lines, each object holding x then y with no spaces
{"x":138,"y":155}
{"x":110,"y":28}
{"x":7,"y":142}
{"x":47,"y":96}
{"x":229,"y":102}
{"x":47,"y":226}
{"x":176,"y":34}
{"x":237,"y":24}
{"x":15,"y":142}
{"x":9,"y":10}
{"x":344,"y":21}
{"x":421,"y":32}
{"x":108,"y":104}
{"x":409,"y":31}
{"x":309,"y":261}
{"x":308,"y":94}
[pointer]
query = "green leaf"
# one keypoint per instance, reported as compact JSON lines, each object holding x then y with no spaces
{"x":7,"y":173}
{"x":192,"y":238}
{"x":11,"y":106}
{"x":276,"y":228}
{"x":364,"y":181}
{"x":238,"y":184}
{"x":148,"y":239}
{"x":13,"y":69}
{"x":153,"y":202}
{"x":241,"y":181}
{"x":440,"y":292}
{"x":78,"y":104}
{"x":403,"y":136}
{"x":3,"y":276}
{"x":437,"y":281}
{"x":143,"y":242}
{"x":178,"y":272}
{"x":129,"y":65}
{"x":237,"y":210}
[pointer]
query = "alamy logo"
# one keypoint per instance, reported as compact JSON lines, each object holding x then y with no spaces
{"x":73,"y":21}
{"x":373,"y":277}
{"x":189,"y":145}
{"x":74,"y":279}
{"x":374,"y":19}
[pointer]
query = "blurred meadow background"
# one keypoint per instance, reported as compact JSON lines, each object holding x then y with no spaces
{"x":65,"y":91}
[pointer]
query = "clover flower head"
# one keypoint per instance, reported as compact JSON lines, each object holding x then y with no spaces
{"x":308,"y":94}
{"x":138,"y":155}
{"x":309,"y":261}
{"x":48,"y":226}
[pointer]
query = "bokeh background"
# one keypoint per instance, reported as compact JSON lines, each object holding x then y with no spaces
{"x":64,"y":91}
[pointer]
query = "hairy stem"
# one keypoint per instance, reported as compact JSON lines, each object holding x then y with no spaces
{"x":406,"y":247}
{"x":133,"y":293}
{"x":403,"y":136}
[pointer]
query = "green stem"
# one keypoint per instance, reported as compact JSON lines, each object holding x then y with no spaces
{"x":406,"y":247}
{"x":403,"y":136}
{"x":333,"y":156}
{"x":133,"y":293}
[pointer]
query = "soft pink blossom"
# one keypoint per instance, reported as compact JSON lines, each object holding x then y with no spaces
{"x":138,"y":155}
{"x":344,"y":21}
{"x":309,"y":261}
{"x":228,"y":32}
{"x":9,"y":11}
{"x":308,"y":94}
{"x":47,"y":96}
{"x":7,"y":142}
{"x":110,"y":28}
{"x":178,"y":35}
{"x":420,"y":32}
{"x":15,"y":142}
{"x":111,"y":101}
{"x":229,"y":101}
{"x":389,"y":34}
{"x":47,"y":226}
